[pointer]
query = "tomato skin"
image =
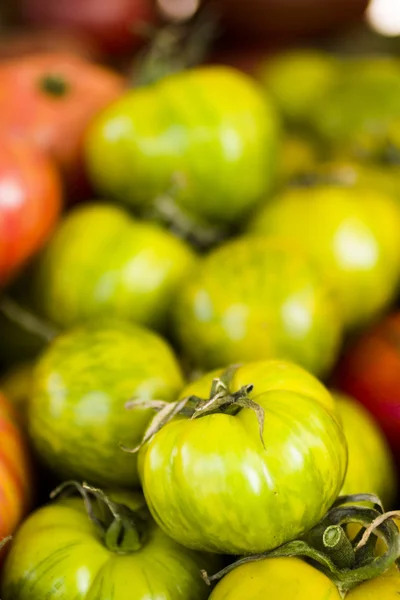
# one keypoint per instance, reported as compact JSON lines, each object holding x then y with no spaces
{"x":16,"y":485}
{"x":209,"y":127}
{"x":370,"y":371}
{"x":211,"y":486}
{"x":370,"y":467}
{"x":101,"y":262}
{"x":110,"y":24}
{"x":352,"y":234}
{"x":77,"y":417}
{"x":255,"y":298}
{"x":58,"y":551}
{"x":55,"y":124}
{"x":30,"y":202}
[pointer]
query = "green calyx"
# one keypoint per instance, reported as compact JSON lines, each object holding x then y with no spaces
{"x":347,"y":562}
{"x":221,"y":400}
{"x":54,"y":85}
{"x":122,"y":529}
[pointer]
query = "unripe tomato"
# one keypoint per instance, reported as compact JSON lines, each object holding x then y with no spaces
{"x":30,"y":202}
{"x":211,"y":484}
{"x":370,"y":372}
{"x":353,"y":234}
{"x":101,"y":262}
{"x":49,"y":99}
{"x":370,"y":467}
{"x":205,"y":136}
{"x":255,"y":298}
{"x":77,"y":417}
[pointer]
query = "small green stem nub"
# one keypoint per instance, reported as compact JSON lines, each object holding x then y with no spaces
{"x":121,"y":528}
{"x":54,"y":85}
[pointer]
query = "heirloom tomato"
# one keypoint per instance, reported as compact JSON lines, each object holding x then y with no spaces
{"x":30,"y":202}
{"x":49,"y":99}
{"x":370,"y":371}
{"x":309,"y":72}
{"x":206,"y":137}
{"x":255,"y":298}
{"x":353,"y":234}
{"x":77,"y":417}
{"x":370,"y":467}
{"x":294,"y":579}
{"x":101,"y":262}
{"x":17,"y":387}
{"x":59,"y":552}
{"x":15,"y":471}
{"x":109,"y":24}
{"x":212,"y":484}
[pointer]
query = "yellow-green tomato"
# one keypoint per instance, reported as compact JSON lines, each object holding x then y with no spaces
{"x":371,"y":466}
{"x":77,"y":417}
{"x":298,"y":80}
{"x":294,"y":579}
{"x":353,"y":234}
{"x":59,"y":554}
{"x":211,"y":484}
{"x":276,"y":578}
{"x":206,"y":135}
{"x":298,"y":157}
{"x":101,"y":263}
{"x":255,"y":298}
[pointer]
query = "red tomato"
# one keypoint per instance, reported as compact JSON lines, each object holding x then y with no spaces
{"x":370,"y":371}
{"x":15,"y":472}
{"x":30,"y":201}
{"x":49,"y":99}
{"x":287,"y":17}
{"x":111,"y":23}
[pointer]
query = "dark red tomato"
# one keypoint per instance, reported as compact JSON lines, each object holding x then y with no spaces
{"x":111,"y":23}
{"x":49,"y":99}
{"x":370,"y":371}
{"x":30,"y":201}
{"x":287,"y":17}
{"x":15,"y":472}
{"x":22,"y":42}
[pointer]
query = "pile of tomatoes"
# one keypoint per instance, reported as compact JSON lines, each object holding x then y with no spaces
{"x":200,"y":332}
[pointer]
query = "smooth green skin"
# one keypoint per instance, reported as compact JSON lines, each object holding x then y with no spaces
{"x":299,"y":80}
{"x":276,"y":578}
{"x":211,"y":127}
{"x":357,"y":115}
{"x":58,"y":554}
{"x":211,"y":486}
{"x":77,"y":416}
{"x":353,"y":234}
{"x":371,"y":466}
{"x":101,"y":262}
{"x":252,"y":299}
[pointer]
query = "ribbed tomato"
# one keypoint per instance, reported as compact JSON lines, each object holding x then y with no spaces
{"x":30,"y":200}
{"x":15,"y":471}
{"x":50,"y":98}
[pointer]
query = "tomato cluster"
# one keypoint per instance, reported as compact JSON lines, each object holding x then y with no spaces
{"x":199,"y":277}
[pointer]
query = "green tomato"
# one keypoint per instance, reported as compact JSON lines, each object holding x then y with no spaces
{"x":298,"y":157}
{"x":207,"y":136}
{"x":256,"y":298}
{"x":353,"y":234}
{"x":77,"y":417}
{"x":298,"y":80}
{"x":59,"y":553}
{"x":102,"y":263}
{"x":211,"y":484}
{"x":371,"y":466}
{"x":357,"y":116}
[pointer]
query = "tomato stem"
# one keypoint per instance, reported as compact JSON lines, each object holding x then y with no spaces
{"x":221,"y":400}
{"x":54,"y":85}
{"x":121,"y":528}
{"x":347,"y":563}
